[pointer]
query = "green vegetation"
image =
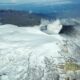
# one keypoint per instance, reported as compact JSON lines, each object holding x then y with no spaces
{"x":71,"y":66}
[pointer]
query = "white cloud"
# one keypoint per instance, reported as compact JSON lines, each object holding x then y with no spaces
{"x":13,"y":1}
{"x":37,"y":1}
{"x":49,"y":2}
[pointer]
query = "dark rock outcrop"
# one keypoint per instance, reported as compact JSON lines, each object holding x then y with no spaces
{"x":67,"y":29}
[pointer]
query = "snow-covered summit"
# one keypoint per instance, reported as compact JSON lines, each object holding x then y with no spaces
{"x":22,"y":49}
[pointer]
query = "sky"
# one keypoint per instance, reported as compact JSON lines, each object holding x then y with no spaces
{"x":40,"y":1}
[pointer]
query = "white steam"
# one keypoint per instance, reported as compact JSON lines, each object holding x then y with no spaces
{"x":53,"y":27}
